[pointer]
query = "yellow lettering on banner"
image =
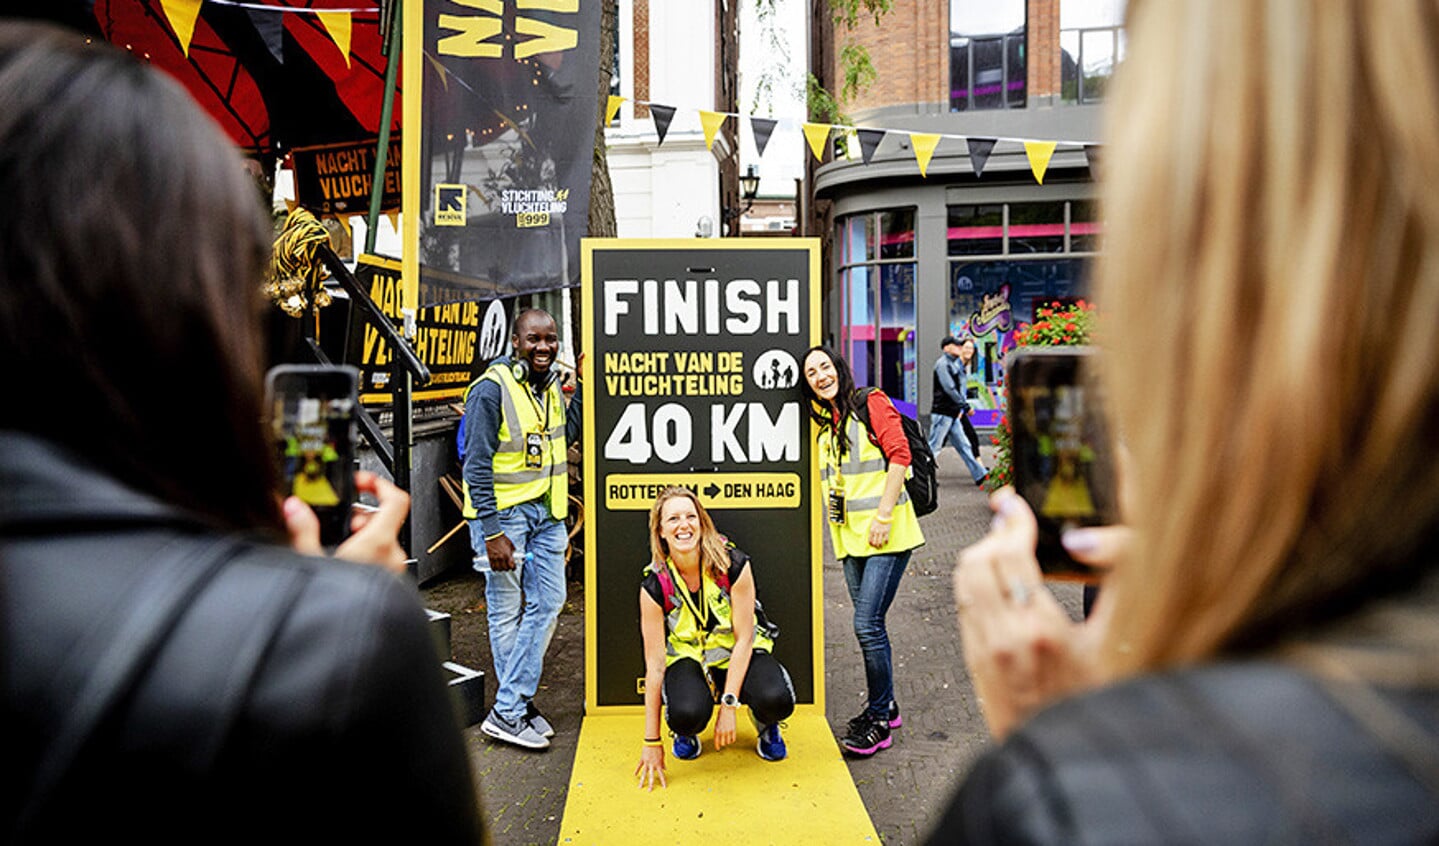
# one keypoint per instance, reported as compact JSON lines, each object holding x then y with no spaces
{"x":548,"y":38}
{"x":637,"y":491}
{"x":471,"y":35}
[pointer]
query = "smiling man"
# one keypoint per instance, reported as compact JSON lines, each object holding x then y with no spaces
{"x":516,"y":468}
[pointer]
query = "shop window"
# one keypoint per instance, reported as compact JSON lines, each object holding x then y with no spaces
{"x":987,"y":55}
{"x":1083,"y":227}
{"x":877,"y":312}
{"x":976,"y":230}
{"x":1036,"y":227}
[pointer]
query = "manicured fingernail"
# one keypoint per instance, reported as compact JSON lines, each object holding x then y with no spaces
{"x":1080,"y":540}
{"x":1009,"y":504}
{"x":291,"y":505}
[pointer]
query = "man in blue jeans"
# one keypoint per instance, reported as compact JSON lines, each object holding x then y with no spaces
{"x":949,"y":406}
{"x":516,"y":485}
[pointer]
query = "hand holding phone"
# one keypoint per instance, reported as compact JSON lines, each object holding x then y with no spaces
{"x":311,"y":412}
{"x":1061,"y":449}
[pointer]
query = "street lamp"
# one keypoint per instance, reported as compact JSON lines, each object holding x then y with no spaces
{"x":748,"y":190}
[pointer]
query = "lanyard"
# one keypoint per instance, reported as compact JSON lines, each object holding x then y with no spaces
{"x":535,"y":402}
{"x":834,"y":452}
{"x":701,"y":614}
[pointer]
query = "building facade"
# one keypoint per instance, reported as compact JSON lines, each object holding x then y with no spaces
{"x":970,"y":248}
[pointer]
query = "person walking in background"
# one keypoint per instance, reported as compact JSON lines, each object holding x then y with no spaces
{"x":173,"y":671}
{"x":949,"y":407}
{"x":516,"y":491}
{"x":1262,"y":663}
{"x":970,"y":393}
{"x":704,"y":632}
{"x":873,"y":527}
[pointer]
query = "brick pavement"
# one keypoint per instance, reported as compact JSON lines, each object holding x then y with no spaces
{"x":904,"y":787}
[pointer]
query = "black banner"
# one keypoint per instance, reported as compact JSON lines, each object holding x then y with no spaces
{"x":336,"y":178}
{"x":454,"y":340}
{"x":506,"y":142}
{"x":691,"y":377}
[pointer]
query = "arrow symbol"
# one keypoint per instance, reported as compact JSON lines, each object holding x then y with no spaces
{"x":712,"y":491}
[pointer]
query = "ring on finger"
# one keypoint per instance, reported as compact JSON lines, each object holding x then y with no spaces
{"x":1020,"y":592}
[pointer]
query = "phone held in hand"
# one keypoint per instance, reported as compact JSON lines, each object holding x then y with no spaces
{"x":311,"y":416}
{"x":1061,"y":449}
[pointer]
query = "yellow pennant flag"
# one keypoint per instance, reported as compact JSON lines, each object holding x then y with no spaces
{"x":612,"y":108}
{"x":817,"y":134}
{"x":440,"y":69}
{"x":182,"y":14}
{"x":711,"y":122}
{"x":1039,"y":153}
{"x":394,"y":218}
{"x":338,"y":25}
{"x":344,"y":221}
{"x":924,"y":144}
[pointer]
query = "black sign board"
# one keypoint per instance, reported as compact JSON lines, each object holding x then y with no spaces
{"x":337,"y":178}
{"x":691,"y":369}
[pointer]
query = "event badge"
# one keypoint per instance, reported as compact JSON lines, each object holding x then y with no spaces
{"x":534,"y":450}
{"x":836,"y":505}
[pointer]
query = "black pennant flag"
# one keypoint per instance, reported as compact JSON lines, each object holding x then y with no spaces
{"x":979,"y":150}
{"x":869,"y":141}
{"x":762,"y":128}
{"x":662,"y":115}
{"x":271,"y":27}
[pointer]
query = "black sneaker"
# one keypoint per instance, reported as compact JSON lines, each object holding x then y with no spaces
{"x":893,"y":718}
{"x":866,"y":737}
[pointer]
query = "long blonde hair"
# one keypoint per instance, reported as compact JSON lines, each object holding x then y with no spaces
{"x":1269,"y":287}
{"x":714,"y":556}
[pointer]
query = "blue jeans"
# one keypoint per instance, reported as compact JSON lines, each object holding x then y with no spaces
{"x":873,"y":581}
{"x":943,"y":428}
{"x":524,"y":603}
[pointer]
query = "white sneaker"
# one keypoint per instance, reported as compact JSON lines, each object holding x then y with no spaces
{"x":520,"y":734}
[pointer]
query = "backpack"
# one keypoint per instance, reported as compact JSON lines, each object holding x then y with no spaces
{"x":672,"y":601}
{"x":920,"y":483}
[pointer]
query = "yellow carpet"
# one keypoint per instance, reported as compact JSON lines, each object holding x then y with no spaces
{"x":727,"y":797}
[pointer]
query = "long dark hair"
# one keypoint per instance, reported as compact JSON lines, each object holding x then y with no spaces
{"x":844,"y":396}
{"x":132,"y":244}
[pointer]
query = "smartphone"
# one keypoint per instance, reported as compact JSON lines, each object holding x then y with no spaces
{"x":1060,"y":449}
{"x":311,"y":410}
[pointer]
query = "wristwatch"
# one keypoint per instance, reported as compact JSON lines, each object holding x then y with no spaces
{"x":729,"y":699}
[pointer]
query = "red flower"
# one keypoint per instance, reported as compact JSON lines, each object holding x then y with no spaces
{"x":1069,"y":326}
{"x":994,"y":439}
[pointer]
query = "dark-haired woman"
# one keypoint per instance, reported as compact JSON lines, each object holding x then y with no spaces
{"x":873,"y":527}
{"x":172,"y":671}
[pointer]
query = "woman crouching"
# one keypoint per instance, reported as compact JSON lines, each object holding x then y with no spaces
{"x":704,"y":633}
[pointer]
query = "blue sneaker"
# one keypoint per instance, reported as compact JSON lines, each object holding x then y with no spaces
{"x":771,"y":745}
{"x":687,"y":747}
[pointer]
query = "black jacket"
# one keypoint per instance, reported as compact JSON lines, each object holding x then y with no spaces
{"x":295,"y":698}
{"x":1239,"y":753}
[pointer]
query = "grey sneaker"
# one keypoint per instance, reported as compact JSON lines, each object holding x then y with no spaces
{"x":537,"y":720}
{"x":520,"y":734}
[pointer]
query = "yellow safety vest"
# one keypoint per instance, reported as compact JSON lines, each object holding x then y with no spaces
{"x":685,"y":635}
{"x":522,"y":414}
{"x":861,"y":475}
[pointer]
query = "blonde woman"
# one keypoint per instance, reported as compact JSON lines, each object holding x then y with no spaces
{"x":1263,"y":663}
{"x":705,"y":637}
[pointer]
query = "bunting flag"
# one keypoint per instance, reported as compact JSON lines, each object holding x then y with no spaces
{"x":924,"y":144}
{"x":271,"y":28}
{"x":440,"y":69}
{"x":711,"y":122}
{"x":662,"y":115}
{"x":181,"y":15}
{"x":394,"y":217}
{"x":344,"y":221}
{"x":338,"y":25}
{"x":762,"y":129}
{"x":1039,"y":153}
{"x":866,"y":140}
{"x":817,"y":134}
{"x":612,"y":108}
{"x":979,"y":150}
{"x":869,"y":142}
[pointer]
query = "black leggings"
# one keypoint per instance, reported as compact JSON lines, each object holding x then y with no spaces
{"x":689,"y":704}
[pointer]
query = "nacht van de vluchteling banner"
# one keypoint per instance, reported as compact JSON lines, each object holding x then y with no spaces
{"x":506,"y":115}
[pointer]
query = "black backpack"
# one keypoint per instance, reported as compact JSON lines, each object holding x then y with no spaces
{"x":921,"y":483}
